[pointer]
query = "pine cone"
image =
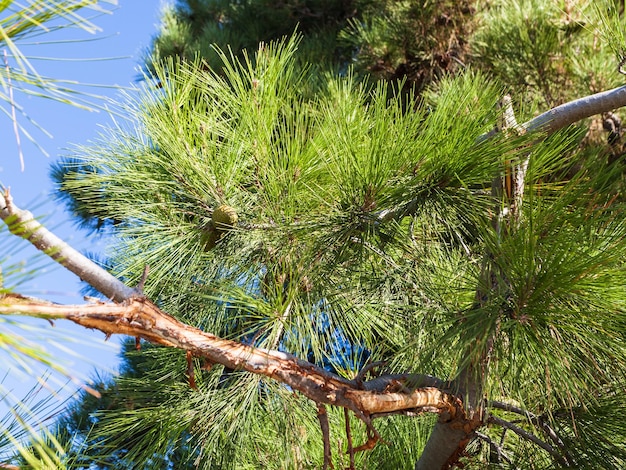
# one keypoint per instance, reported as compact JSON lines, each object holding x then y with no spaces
{"x":224,"y":217}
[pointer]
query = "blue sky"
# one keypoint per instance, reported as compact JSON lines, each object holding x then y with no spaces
{"x":125,"y":35}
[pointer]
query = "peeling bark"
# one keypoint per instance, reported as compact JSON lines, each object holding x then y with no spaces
{"x":139,"y":317}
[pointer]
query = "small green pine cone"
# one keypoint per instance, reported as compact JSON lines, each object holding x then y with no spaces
{"x":224,"y":217}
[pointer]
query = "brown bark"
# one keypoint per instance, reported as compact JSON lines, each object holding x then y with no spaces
{"x":139,"y":317}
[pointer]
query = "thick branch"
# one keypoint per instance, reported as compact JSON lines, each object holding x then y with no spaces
{"x":139,"y":317}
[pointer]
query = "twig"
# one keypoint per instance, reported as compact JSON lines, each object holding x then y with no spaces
{"x":142,"y":281}
{"x":346,"y":415}
{"x":373,"y":437}
{"x":537,"y":421}
{"x":190,"y":371}
{"x":529,"y":437}
{"x":494,"y":447}
{"x":322,"y":416}
{"x":363,"y":372}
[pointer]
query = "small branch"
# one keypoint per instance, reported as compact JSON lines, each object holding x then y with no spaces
{"x":372,"y":439}
{"x":405,"y":382}
{"x":529,"y":437}
{"x":346,"y":416}
{"x":190,"y":371}
{"x":142,"y":281}
{"x":363,"y":372}
{"x":537,"y":421}
{"x":493,"y":447}
{"x":23,"y":224}
{"x":322,"y":416}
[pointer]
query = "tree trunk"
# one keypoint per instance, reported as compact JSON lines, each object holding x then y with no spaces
{"x":445,"y":445}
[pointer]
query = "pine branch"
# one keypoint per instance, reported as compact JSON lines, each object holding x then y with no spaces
{"x":494,"y":448}
{"x":529,"y":437}
{"x":535,"y":420}
{"x":576,"y":110}
{"x":322,"y":416}
{"x":22,"y":223}
{"x":547,"y":123}
{"x":135,"y":315}
{"x":139,"y":317}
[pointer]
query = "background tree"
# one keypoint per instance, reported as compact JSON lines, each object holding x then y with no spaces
{"x":361,"y":226}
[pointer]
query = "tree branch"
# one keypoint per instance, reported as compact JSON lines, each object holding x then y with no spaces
{"x":322,"y":416}
{"x":546,"y":123}
{"x":139,"y":317}
{"x":529,"y":437}
{"x":574,"y":111}
{"x":22,"y":223}
{"x":494,"y":448}
{"x":346,"y":417}
{"x":537,"y":421}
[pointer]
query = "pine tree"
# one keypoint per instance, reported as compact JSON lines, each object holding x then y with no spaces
{"x":382,"y":230}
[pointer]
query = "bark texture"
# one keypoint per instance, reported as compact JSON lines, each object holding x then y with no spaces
{"x":139,"y":317}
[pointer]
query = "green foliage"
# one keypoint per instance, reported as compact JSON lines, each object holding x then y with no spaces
{"x":146,"y":419}
{"x":367,"y":229}
{"x":312,"y":256}
{"x":20,"y":21}
{"x":417,"y":41}
{"x":420,"y":41}
{"x":192,"y":28}
{"x":547,"y":52}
